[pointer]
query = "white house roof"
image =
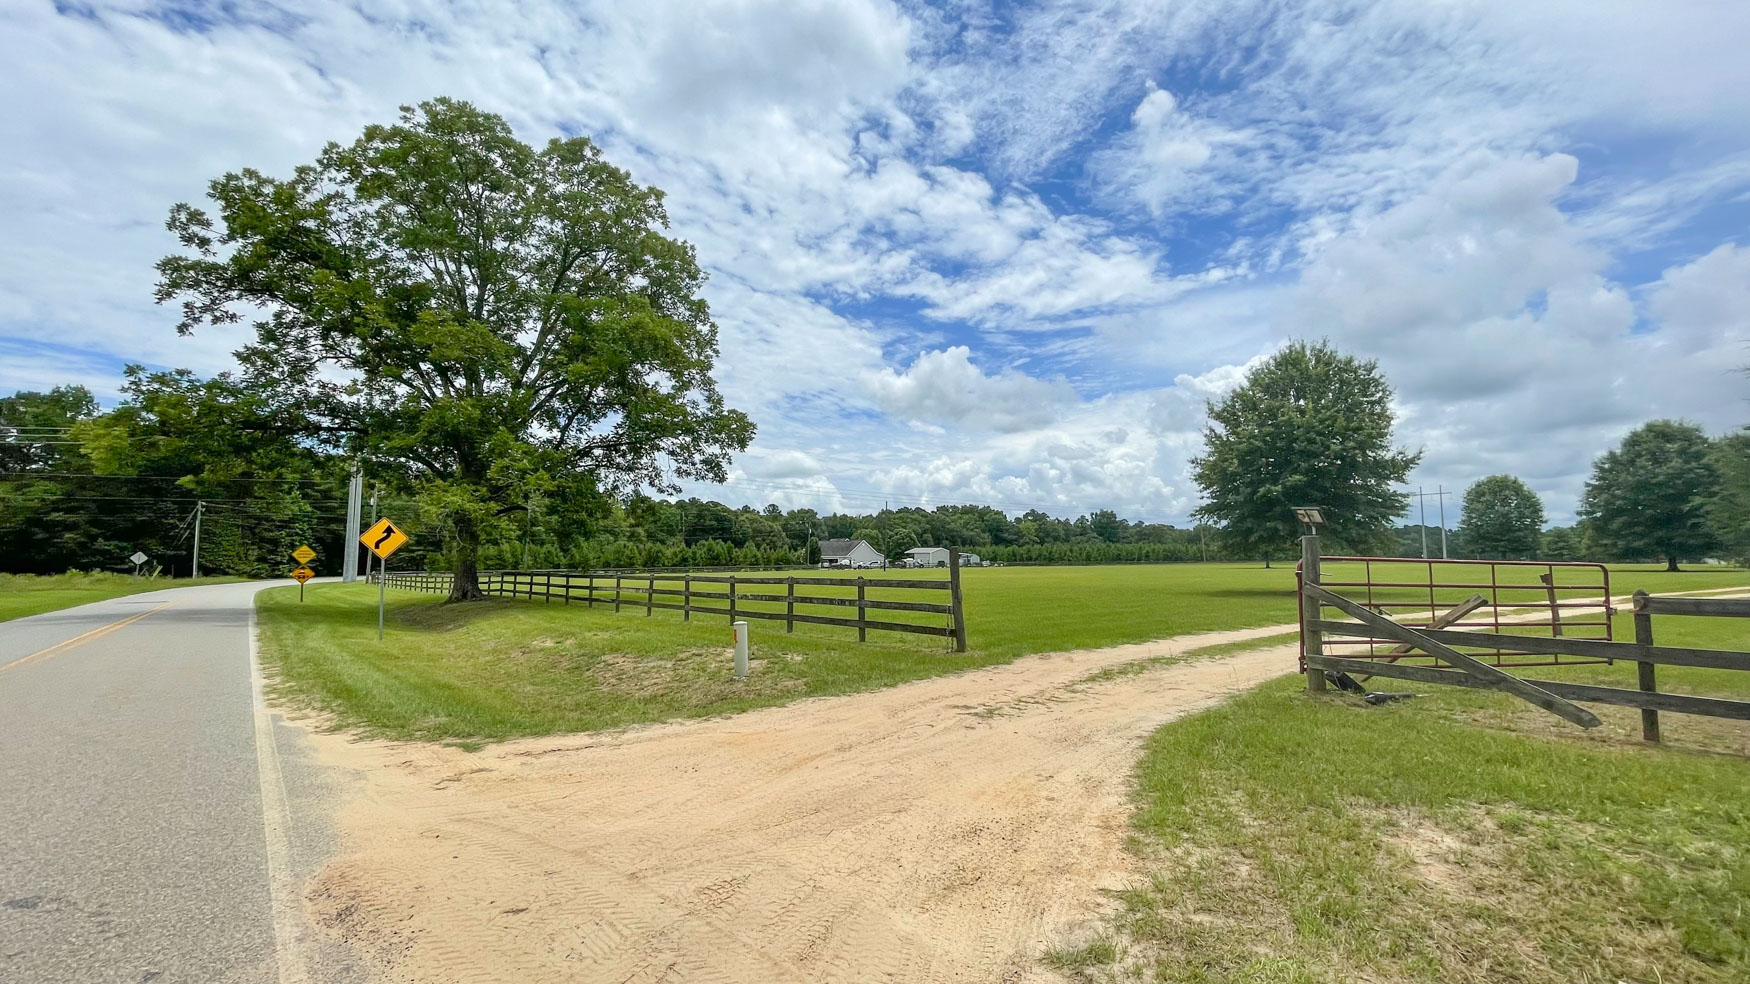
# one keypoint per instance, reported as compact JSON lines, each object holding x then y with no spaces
{"x":839,"y":548}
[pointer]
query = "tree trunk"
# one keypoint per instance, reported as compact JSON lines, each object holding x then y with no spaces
{"x":466,"y":585}
{"x":1671,"y":562}
{"x":1266,"y":563}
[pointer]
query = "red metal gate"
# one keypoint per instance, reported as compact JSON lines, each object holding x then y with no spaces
{"x":1519,"y":597}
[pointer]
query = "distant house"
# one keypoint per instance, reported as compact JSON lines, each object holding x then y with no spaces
{"x":970,"y":560}
{"x":849,"y":553}
{"x":928,"y":556}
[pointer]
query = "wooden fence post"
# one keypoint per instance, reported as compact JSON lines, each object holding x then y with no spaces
{"x":790,"y":603}
{"x":549,"y":592}
{"x":1315,"y":640}
{"x":650,"y":596}
{"x":959,"y":615}
{"x":732,"y":599}
{"x":687,"y":597}
{"x":862,"y":613}
{"x":616,"y":592}
{"x":1644,"y":637}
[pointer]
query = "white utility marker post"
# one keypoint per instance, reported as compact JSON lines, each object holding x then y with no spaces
{"x":349,"y":564}
{"x":740,"y":650}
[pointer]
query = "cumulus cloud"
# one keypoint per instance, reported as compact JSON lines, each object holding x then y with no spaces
{"x":944,"y":387}
{"x":1160,"y":160}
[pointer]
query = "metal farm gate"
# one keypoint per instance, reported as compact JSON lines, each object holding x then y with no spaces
{"x":1467,"y":623}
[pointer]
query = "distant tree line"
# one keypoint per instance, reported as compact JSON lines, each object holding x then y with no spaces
{"x":82,"y":488}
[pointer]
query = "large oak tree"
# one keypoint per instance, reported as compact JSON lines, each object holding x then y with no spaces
{"x":475,"y":319}
{"x":1309,"y":427}
{"x":1503,"y":519}
{"x":1648,"y":497}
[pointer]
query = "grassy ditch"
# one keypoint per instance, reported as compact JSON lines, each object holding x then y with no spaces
{"x":29,"y":594}
{"x":1461,"y":836}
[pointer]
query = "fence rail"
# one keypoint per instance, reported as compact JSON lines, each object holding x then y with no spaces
{"x":723,"y":595}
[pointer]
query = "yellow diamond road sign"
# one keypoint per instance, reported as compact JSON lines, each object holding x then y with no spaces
{"x":384,"y":538}
{"x":303,"y":574}
{"x":304,"y":554}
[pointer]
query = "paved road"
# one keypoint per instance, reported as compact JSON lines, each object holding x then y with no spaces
{"x":155,"y":822}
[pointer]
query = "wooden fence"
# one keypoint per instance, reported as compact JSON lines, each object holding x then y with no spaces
{"x":724,"y":594}
{"x":1557,"y":697}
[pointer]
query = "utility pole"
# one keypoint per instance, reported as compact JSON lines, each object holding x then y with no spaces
{"x":1422,"y":504}
{"x":368,"y":554}
{"x":355,"y":494}
{"x":1440,"y":490}
{"x":528,"y":518}
{"x":199,"y":508}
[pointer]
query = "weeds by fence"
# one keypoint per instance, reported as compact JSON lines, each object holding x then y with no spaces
{"x":723,"y":594}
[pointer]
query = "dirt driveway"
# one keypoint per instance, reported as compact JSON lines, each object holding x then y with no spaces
{"x":946,"y":830}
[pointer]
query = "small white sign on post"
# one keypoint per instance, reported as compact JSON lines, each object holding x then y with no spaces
{"x":138,"y":558}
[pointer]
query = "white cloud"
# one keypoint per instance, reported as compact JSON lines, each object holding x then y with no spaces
{"x":946,"y":388}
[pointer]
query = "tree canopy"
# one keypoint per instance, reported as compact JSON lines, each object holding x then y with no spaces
{"x":1648,"y":497}
{"x":478,"y":321}
{"x":1503,"y":519}
{"x":1728,"y":507}
{"x":1309,"y":426}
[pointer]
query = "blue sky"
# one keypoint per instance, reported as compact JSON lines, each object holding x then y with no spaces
{"x":989,"y":251}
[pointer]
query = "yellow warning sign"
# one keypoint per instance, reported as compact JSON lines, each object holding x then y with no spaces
{"x":384,"y":538}
{"x":303,"y":574}
{"x":303,"y":555}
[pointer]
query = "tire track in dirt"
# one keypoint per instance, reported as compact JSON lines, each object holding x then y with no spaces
{"x":949,"y":829}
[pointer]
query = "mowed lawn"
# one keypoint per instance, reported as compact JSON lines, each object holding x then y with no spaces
{"x":1458,"y":837}
{"x":27,"y":594}
{"x":503,"y":669}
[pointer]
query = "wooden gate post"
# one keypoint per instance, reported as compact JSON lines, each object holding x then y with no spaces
{"x":959,"y":615}
{"x":617,"y":592}
{"x":687,"y":597}
{"x":1315,"y":640}
{"x":650,"y":596}
{"x":790,"y":604}
{"x":732,"y":599}
{"x":1644,"y":637}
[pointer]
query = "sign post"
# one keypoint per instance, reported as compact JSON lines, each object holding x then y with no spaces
{"x":301,"y":575}
{"x":303,"y":555}
{"x":383,"y":539}
{"x":138,"y":558}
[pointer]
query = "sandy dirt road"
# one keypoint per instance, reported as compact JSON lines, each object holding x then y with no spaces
{"x":950,"y":829}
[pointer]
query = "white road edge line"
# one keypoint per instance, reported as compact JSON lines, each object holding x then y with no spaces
{"x":282,"y":883}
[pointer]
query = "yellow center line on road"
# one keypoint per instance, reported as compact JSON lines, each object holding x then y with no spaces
{"x":102,"y":630}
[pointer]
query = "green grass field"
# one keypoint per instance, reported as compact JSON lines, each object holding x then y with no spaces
{"x":1461,"y":836}
{"x":27,"y":594}
{"x":505,"y":669}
